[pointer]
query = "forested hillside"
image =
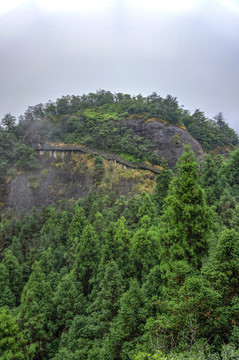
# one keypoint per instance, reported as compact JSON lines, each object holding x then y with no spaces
{"x":100,"y":120}
{"x":108,"y":277}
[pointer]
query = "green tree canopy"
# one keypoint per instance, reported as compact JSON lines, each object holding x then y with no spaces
{"x":185,"y":223}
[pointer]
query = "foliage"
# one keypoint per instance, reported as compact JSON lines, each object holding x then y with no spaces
{"x":14,"y":153}
{"x":99,"y":120}
{"x":186,"y":219}
{"x":149,"y":277}
{"x":12,"y":341}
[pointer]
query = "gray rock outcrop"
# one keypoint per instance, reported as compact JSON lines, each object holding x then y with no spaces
{"x":167,"y":139}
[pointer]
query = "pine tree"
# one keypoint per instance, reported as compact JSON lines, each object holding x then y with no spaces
{"x":99,"y":226}
{"x":86,"y":335}
{"x":55,"y":228}
{"x":131,"y":211}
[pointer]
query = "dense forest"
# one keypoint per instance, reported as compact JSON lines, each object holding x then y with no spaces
{"x":154,"y":276}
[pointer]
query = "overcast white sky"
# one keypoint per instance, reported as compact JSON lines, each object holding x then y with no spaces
{"x":186,"y":48}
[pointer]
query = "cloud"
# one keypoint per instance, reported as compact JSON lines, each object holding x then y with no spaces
{"x":230,"y":5}
{"x":71,"y":6}
{"x":8,"y":6}
{"x":169,"y":6}
{"x":122,"y":46}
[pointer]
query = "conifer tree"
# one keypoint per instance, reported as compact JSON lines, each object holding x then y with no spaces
{"x":116,"y":246}
{"x":210,"y":179}
{"x":222,"y":269}
{"x":77,"y":224}
{"x":86,"y":334}
{"x":107,"y":302}
{"x":130,"y":213}
{"x":226,"y":207}
{"x":12,"y":341}
{"x":7,"y":297}
{"x":16,"y":249}
{"x":147,"y":207}
{"x":77,"y":342}
{"x":14,"y":274}
{"x":185,"y":223}
{"x":35,"y":312}
{"x":128,"y":326}
{"x":231,"y":169}
{"x":87,"y":258}
{"x":144,"y":249}
{"x":54,"y":230}
{"x":161,"y":189}
{"x":76,"y":227}
{"x":68,"y":301}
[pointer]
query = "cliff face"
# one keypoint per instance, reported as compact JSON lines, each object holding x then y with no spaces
{"x":73,"y":174}
{"x":167,"y":140}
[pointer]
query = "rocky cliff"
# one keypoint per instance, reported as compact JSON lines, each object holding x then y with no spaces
{"x":71,"y":175}
{"x":167,"y":139}
{"x":71,"y":172}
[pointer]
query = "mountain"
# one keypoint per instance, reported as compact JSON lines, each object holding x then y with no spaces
{"x":110,"y":250}
{"x":72,"y":171}
{"x":39,"y":153}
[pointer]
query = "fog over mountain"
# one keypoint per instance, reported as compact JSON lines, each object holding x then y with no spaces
{"x":189,"y":49}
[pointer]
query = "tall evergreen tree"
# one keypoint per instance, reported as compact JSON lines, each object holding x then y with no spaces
{"x":86,"y":334}
{"x":185,"y":223}
{"x":87,"y":258}
{"x":14,"y":274}
{"x":75,"y":229}
{"x":222,"y":269}
{"x":69,"y":302}
{"x":35,"y":313}
{"x":7,"y":297}
{"x":107,"y":303}
{"x":126,"y":330}
{"x":116,"y":246}
{"x":210,"y":179}
{"x":144,"y":249}
{"x":231,"y":169}
{"x":12,"y":341}
{"x":161,"y":189}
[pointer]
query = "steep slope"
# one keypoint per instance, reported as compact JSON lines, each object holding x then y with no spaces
{"x":72,"y":175}
{"x":167,"y":139}
{"x":72,"y":171}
